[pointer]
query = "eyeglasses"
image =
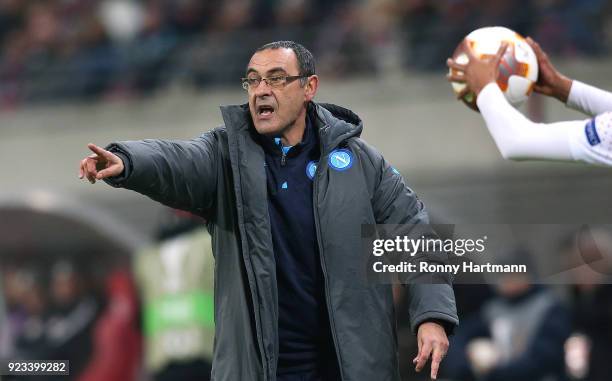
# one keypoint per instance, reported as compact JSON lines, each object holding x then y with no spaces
{"x":276,"y":81}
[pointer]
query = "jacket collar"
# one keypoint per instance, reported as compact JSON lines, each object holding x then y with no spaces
{"x":273,"y":145}
{"x":335,"y":124}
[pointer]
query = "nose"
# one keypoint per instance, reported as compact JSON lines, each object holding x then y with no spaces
{"x":262,"y":89}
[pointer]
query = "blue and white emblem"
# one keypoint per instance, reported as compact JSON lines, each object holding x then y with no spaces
{"x":591,"y":133}
{"x":341,"y":159}
{"x":311,"y":169}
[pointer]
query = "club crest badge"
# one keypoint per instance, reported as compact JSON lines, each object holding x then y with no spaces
{"x":311,"y":169}
{"x":341,"y":159}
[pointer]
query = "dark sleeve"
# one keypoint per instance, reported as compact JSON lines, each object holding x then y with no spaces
{"x":394,"y":202}
{"x":180,"y":174}
{"x":544,"y":355}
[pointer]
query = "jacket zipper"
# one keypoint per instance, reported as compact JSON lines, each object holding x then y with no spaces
{"x":266,"y":358}
{"x":283,"y":158}
{"x":324,"y":269}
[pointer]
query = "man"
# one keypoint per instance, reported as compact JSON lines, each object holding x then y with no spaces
{"x":518,"y":138}
{"x":286,"y":185}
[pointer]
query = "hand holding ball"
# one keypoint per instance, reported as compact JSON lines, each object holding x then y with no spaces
{"x":518,"y":67}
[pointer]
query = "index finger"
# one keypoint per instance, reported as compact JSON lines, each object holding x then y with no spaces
{"x":534,"y":45}
{"x":436,"y":359}
{"x":501,"y":51}
{"x":536,"y":48}
{"x":100,"y":151}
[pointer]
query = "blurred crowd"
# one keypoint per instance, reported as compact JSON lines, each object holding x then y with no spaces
{"x":65,"y":311}
{"x":113,"y":49}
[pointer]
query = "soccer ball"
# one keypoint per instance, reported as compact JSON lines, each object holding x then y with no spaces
{"x":518,"y":70}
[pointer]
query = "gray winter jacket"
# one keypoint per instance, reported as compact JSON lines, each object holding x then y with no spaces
{"x":221,"y":175}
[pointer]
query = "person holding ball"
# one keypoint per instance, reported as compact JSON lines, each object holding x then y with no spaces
{"x":518,"y":138}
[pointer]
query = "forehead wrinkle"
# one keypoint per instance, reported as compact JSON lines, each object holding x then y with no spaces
{"x":270,"y":71}
{"x":262,"y":62}
{"x":278,"y":65}
{"x":279,"y":59}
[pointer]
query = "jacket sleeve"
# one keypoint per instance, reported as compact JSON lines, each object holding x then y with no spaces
{"x":394,"y":202}
{"x":179,"y":174}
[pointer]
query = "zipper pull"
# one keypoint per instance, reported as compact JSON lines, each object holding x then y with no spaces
{"x":283,"y":158}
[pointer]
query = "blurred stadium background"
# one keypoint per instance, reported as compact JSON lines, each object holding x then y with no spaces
{"x":80,"y":71}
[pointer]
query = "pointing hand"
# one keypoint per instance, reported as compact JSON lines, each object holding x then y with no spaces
{"x":100,"y":165}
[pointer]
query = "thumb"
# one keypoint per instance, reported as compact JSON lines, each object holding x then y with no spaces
{"x":113,"y":170}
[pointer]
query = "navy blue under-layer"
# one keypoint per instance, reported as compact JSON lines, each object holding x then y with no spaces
{"x":304,"y":335}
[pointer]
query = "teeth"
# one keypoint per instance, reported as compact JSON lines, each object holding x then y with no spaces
{"x":265,"y":110}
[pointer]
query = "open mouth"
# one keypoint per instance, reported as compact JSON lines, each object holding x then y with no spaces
{"x":265,"y":110}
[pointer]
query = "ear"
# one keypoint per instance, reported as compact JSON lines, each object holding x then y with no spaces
{"x":311,"y":88}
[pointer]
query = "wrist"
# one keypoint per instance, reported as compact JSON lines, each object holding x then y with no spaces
{"x":562,"y":91}
{"x":485,"y":87}
{"x":123,"y":164}
{"x":479,"y":87}
{"x":448,"y":327}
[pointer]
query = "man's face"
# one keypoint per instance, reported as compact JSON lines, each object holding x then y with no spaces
{"x":274,"y":109}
